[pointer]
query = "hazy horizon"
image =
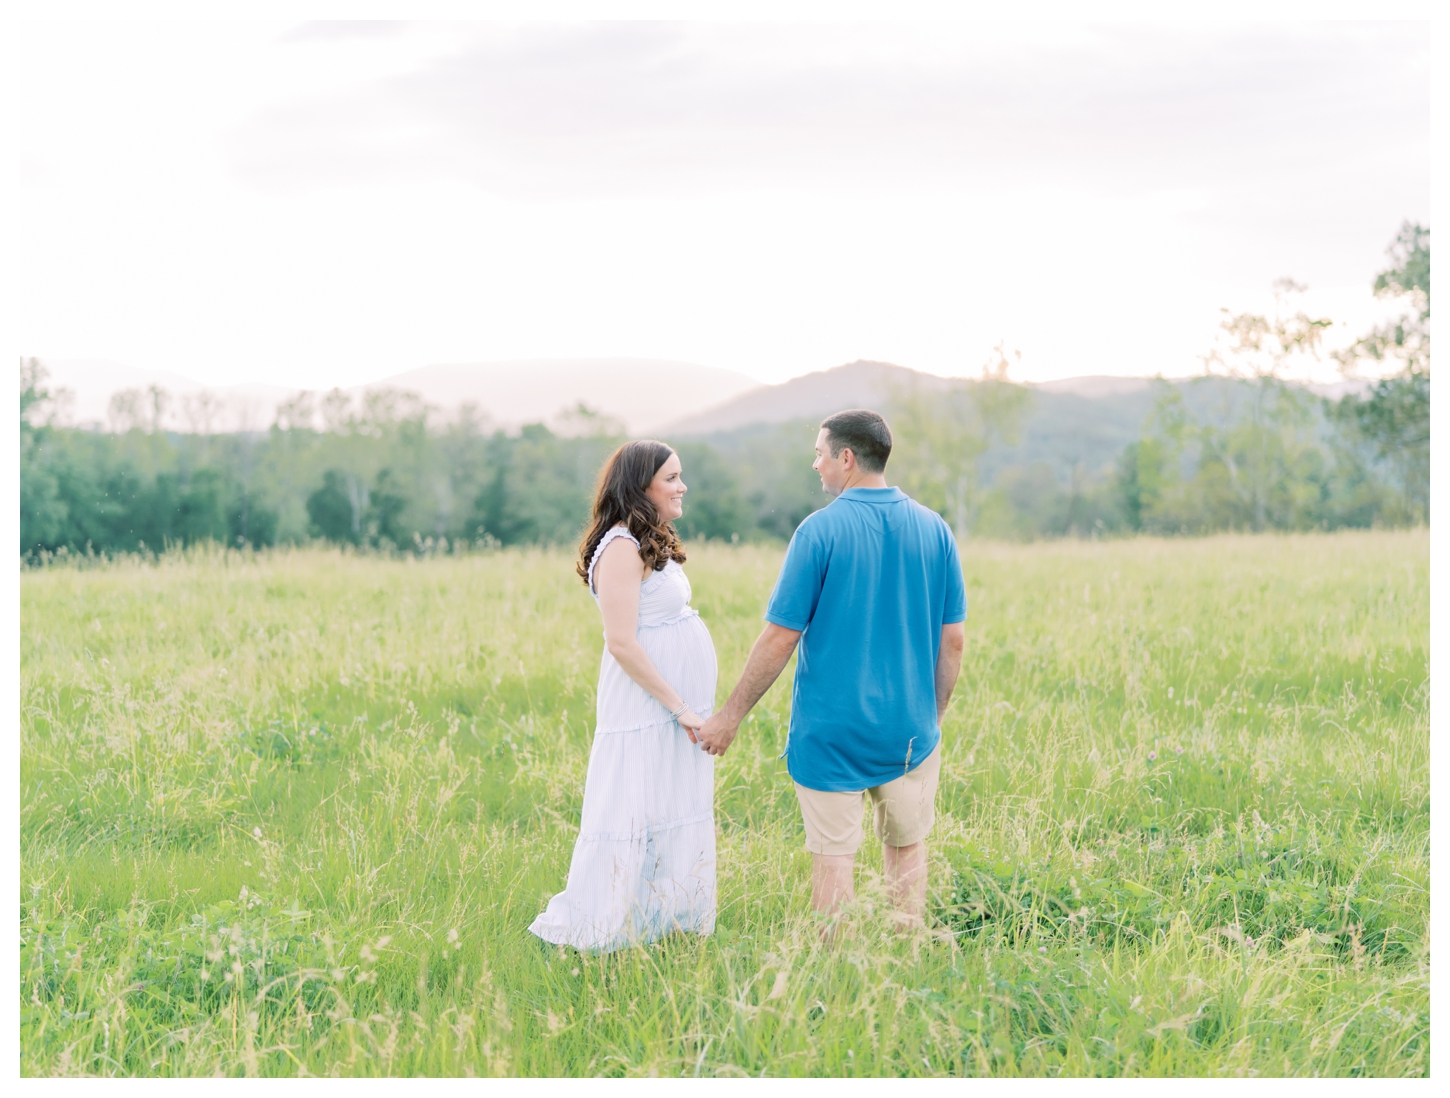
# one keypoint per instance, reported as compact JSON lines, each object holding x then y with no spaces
{"x":522,"y":392}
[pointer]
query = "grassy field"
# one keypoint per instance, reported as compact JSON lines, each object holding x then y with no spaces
{"x":291,"y":813}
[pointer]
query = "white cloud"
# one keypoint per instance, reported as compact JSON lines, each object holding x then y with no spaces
{"x":580,"y":110}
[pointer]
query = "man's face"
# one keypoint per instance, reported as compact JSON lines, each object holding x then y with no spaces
{"x":833,"y":470}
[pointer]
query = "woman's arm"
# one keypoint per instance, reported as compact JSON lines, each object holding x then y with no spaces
{"x":617,"y":577}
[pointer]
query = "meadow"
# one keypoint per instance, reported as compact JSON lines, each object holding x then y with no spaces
{"x":290,"y":812}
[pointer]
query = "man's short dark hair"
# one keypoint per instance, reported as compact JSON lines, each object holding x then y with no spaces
{"x":864,"y":432}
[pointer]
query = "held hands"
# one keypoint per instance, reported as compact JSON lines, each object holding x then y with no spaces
{"x":716,"y":735}
{"x":713,"y":735}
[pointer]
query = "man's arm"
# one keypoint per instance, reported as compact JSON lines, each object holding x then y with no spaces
{"x":949,"y":664}
{"x":768,"y":657}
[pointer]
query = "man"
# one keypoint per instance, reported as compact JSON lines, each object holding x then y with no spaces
{"x":871,"y":590}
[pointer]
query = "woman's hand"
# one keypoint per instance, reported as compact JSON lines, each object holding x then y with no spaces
{"x":691,"y":722}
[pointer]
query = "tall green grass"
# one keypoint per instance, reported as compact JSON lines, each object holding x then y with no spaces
{"x":290,"y":814}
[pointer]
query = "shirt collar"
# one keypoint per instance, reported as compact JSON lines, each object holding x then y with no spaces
{"x":873,"y":495}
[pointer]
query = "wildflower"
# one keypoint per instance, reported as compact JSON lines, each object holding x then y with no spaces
{"x":1152,"y":756}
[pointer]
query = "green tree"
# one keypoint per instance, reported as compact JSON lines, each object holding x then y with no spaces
{"x":714,"y":507}
{"x":43,"y":512}
{"x":1146,"y":470}
{"x":1260,"y":443}
{"x":199,"y":511}
{"x":1258,"y":462}
{"x":939,"y":434}
{"x":334,"y":511}
{"x":1394,"y":417}
{"x":385,"y":511}
{"x":492,"y":515}
{"x":769,"y":465}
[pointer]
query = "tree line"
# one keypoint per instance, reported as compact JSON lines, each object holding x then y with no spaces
{"x":1240,"y":448}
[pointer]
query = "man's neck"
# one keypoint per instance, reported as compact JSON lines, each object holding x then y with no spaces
{"x":865,"y":480}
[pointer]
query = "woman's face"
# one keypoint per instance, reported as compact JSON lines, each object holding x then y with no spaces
{"x":667,"y":490}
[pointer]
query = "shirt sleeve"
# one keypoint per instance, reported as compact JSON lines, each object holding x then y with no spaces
{"x":954,"y":598}
{"x":792,"y":604}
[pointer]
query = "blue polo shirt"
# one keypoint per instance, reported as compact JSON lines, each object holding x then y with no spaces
{"x":869,"y":581}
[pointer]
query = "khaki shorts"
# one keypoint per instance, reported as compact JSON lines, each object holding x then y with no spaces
{"x":905,"y":809}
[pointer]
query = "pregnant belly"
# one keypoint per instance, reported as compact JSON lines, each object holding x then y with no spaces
{"x":683,"y":654}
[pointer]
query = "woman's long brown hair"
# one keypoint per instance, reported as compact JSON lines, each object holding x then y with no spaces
{"x":620,"y":496}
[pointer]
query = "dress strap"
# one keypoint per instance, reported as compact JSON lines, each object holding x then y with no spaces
{"x":609,"y":535}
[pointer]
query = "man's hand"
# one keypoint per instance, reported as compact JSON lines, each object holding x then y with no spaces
{"x":717,"y":734}
{"x":768,"y":657}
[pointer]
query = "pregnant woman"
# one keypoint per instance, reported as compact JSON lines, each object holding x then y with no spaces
{"x":644,"y":862}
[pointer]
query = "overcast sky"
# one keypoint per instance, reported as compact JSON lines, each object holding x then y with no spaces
{"x":328,"y":204}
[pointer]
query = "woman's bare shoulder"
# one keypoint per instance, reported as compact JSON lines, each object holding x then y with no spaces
{"x":613,"y":560}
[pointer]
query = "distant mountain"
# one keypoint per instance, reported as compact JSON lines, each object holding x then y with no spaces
{"x":1073,"y":427}
{"x":642,"y":394}
{"x":1069,"y":431}
{"x":864,"y":384}
{"x":1095,"y":386}
{"x":812,"y":396}
{"x":1062,"y":435}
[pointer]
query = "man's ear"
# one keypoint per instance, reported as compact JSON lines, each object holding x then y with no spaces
{"x":848,"y":457}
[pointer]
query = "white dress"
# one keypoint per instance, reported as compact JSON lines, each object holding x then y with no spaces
{"x":644,"y":862}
